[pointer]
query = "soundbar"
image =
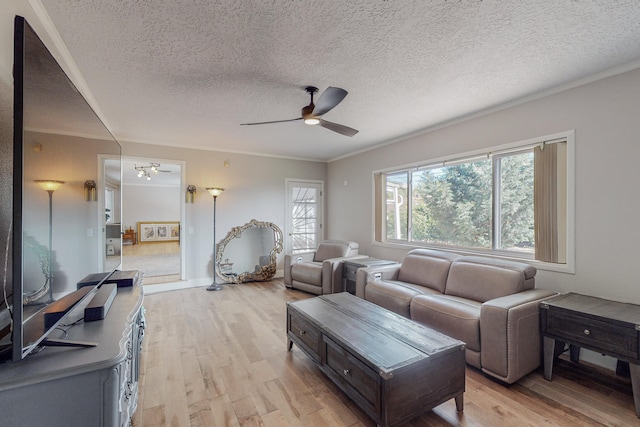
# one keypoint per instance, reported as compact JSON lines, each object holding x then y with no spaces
{"x":101,"y":302}
{"x":122,"y":278}
{"x":54,"y":311}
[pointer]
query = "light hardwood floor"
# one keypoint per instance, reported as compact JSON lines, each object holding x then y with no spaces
{"x":151,"y":248}
{"x":221,"y":359}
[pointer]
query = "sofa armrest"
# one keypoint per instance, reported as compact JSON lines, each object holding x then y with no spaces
{"x":332,"y":273}
{"x":510,"y":334}
{"x":291,"y":259}
{"x":369,"y":274}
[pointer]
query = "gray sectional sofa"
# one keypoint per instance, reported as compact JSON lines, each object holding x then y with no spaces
{"x":490,"y":304}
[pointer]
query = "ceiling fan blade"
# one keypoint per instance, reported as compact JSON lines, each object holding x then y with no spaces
{"x":266,"y":123}
{"x":331,"y":97}
{"x":342,"y":129}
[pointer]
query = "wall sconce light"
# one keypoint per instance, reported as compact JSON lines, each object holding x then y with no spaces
{"x":191,"y":193}
{"x":90,"y":194}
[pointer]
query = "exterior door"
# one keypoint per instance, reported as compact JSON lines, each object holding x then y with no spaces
{"x":304,"y":215}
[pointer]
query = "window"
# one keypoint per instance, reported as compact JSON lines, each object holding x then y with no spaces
{"x":508,"y":201}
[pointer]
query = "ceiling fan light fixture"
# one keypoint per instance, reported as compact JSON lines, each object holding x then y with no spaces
{"x":311,"y":113}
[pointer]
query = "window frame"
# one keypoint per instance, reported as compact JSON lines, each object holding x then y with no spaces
{"x":379,"y":237}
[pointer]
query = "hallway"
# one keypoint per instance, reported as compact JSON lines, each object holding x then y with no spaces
{"x":160,"y":261}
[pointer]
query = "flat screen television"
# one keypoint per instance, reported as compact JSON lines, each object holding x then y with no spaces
{"x":66,"y":175}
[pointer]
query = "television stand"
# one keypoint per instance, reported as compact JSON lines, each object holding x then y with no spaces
{"x":95,"y":387}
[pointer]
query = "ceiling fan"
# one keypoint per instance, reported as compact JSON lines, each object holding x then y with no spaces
{"x":311,"y":113}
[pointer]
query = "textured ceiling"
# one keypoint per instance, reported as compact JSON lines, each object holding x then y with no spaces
{"x":187,"y":73}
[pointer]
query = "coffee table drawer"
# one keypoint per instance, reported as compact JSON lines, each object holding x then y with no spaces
{"x":357,"y":379}
{"x":304,"y":334}
{"x":594,"y":334}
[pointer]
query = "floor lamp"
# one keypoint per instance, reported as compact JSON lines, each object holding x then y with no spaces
{"x":50,"y":186}
{"x":215,"y":192}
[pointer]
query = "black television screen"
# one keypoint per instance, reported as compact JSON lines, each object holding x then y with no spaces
{"x":66,"y":175}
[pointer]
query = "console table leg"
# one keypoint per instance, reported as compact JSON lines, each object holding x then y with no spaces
{"x":459,"y":402}
{"x":549,"y":345}
{"x":574,"y":353}
{"x":634,"y":370}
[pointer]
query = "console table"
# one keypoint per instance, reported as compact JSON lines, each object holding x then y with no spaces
{"x":350,"y":270}
{"x":604,"y":326}
{"x":89,"y":387}
{"x":391,"y":367}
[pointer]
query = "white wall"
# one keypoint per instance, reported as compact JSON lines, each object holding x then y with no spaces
{"x":149,"y":203}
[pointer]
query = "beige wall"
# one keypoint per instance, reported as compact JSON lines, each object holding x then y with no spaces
{"x":607,"y":130}
{"x":254,"y":189}
{"x":604,"y":116}
{"x":254,"y":185}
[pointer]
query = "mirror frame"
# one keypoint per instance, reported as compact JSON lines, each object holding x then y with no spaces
{"x":267,"y":271}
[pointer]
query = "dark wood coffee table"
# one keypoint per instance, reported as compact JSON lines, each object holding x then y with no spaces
{"x":392,"y":367}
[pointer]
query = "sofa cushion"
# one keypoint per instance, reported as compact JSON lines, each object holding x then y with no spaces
{"x":454,"y":316}
{"x":427,"y":267}
{"x":483,"y":279}
{"x":335,"y":249}
{"x":307,"y":272}
{"x":394,"y":295}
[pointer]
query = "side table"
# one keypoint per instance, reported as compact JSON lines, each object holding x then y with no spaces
{"x":604,"y":326}
{"x":350,"y":269}
{"x":130,"y":234}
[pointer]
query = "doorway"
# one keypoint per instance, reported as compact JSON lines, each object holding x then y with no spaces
{"x":152,"y":213}
{"x":304,"y":215}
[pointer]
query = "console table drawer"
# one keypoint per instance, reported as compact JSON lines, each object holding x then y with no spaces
{"x":357,"y":379}
{"x":304,"y":334}
{"x":594,"y":334}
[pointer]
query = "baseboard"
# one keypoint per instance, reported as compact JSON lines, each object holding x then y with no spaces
{"x":175,"y":286}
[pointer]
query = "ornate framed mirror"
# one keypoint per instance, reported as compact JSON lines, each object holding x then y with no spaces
{"x":248,"y":253}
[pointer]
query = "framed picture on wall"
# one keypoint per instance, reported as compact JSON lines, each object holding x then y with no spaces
{"x":175,"y":231}
{"x":147,"y":233}
{"x":162,"y":231}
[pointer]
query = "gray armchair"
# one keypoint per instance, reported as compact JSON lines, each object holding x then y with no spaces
{"x":319,"y":272}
